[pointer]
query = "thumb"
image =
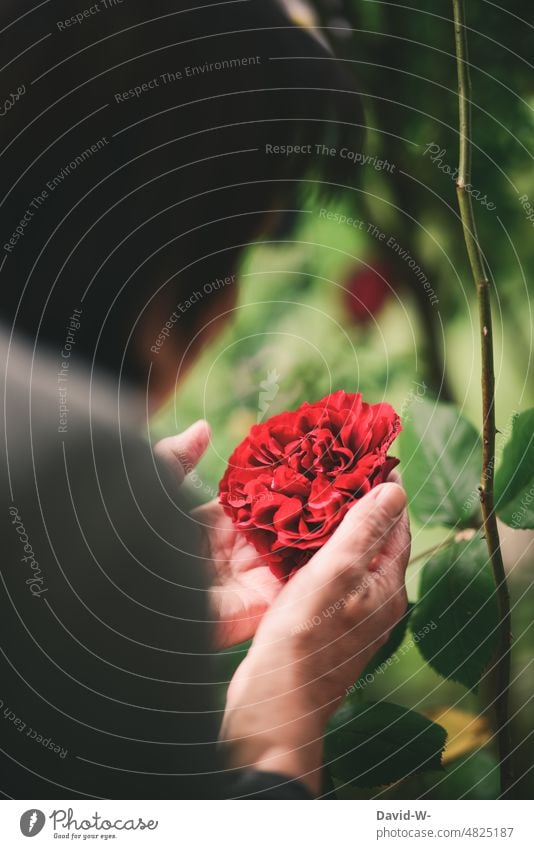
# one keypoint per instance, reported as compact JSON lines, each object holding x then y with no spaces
{"x":364,"y":531}
{"x":183,"y":451}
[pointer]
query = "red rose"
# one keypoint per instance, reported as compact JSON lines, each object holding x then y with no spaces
{"x":290,"y":483}
{"x":367,"y":291}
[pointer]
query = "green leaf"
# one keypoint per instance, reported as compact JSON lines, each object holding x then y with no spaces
{"x":388,"y":649}
{"x":441,"y":461}
{"x":376,"y":743}
{"x":459,"y":612}
{"x":475,"y":776}
{"x":514,"y":482}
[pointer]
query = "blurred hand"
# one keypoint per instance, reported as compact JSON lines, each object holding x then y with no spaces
{"x":316,"y":639}
{"x":243,"y":585}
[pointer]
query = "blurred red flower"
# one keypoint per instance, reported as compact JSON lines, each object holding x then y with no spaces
{"x":367,"y":290}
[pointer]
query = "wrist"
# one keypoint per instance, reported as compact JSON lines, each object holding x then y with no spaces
{"x":270,"y":727}
{"x":295,"y":752}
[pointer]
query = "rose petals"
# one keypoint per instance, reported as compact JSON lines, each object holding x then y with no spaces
{"x":289,"y":484}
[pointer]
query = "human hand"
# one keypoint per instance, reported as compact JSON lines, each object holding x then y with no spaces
{"x":243,"y":586}
{"x":316,"y":639}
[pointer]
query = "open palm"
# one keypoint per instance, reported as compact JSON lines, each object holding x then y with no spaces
{"x":243,"y":586}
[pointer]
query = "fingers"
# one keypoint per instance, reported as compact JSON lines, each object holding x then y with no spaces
{"x":396,"y":551}
{"x":183,"y":451}
{"x":364,"y":532}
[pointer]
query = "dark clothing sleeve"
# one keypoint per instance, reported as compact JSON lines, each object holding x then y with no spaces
{"x":107,"y":688}
{"x":105,"y":656}
{"x":268,"y":785}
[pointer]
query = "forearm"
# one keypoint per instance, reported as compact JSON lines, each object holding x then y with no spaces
{"x":271,"y":726}
{"x":254,"y":739}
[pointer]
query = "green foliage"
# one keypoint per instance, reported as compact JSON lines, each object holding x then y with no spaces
{"x":376,"y":743}
{"x":402,"y":56}
{"x":458,"y":594}
{"x":475,"y":776}
{"x":394,"y":642}
{"x":441,"y":454}
{"x":291,"y":317}
{"x":514,"y":482}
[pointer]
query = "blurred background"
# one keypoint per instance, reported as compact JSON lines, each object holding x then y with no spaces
{"x":369,"y":291}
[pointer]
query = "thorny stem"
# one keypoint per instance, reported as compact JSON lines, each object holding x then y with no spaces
{"x":491,"y":532}
{"x":434,"y":550}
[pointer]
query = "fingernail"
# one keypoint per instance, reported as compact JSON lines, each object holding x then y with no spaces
{"x":392,"y":498}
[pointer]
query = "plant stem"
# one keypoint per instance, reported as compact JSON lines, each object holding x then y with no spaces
{"x":466,"y":533}
{"x":433,"y":550}
{"x":491,"y":532}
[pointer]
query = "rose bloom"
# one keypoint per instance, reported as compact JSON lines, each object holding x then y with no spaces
{"x":289,"y":484}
